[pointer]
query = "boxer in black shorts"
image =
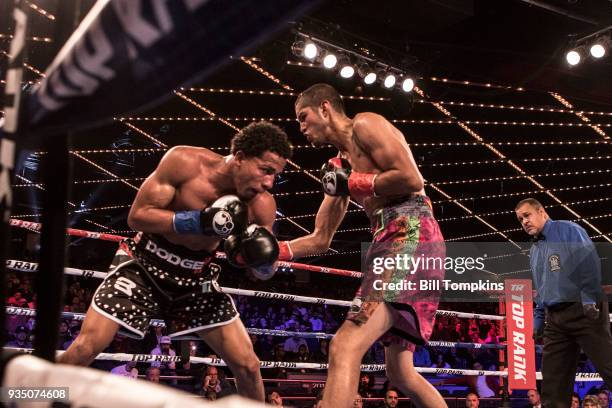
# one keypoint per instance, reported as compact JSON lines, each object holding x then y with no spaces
{"x":193,"y":200}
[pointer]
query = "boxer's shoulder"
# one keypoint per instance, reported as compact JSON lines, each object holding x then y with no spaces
{"x":187,"y":161}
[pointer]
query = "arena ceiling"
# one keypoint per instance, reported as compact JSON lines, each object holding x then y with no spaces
{"x":493,"y":120}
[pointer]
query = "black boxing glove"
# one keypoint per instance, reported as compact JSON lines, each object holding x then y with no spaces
{"x":255,"y":248}
{"x":227,"y":215}
{"x":338,"y":179}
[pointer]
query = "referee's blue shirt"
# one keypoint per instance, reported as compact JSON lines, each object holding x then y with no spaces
{"x":565,"y":267}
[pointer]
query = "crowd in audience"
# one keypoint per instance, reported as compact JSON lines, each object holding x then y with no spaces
{"x":211,"y":382}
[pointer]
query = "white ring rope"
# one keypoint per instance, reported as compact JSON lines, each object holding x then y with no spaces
{"x":146,"y":358}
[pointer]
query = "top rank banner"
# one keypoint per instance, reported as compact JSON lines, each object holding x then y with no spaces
{"x":129,"y":54}
{"x":519,"y":323}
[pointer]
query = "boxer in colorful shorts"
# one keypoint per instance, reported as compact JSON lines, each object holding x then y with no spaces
{"x":375,"y":167}
{"x":193,"y":200}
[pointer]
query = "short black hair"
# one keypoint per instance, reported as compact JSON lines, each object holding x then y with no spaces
{"x":531,"y":201}
{"x":260,"y":137}
{"x":316,"y":94}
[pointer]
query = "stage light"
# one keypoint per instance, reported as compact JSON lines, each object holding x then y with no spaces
{"x":407,"y":84}
{"x":573,"y":57}
{"x":330,"y":61}
{"x":310,"y":50}
{"x":389,"y":81}
{"x":598,"y":50}
{"x":346,"y":69}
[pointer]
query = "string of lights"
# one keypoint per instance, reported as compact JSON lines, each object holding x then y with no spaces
{"x":516,"y":167}
{"x":501,"y":123}
{"x":485,"y":234}
{"x":145,"y":134}
{"x":117,"y":180}
{"x":33,"y":38}
{"x":297,"y":217}
{"x":601,"y":133}
{"x":503,"y":178}
{"x":514,"y":107}
{"x":101,"y":226}
{"x":40,"y":10}
{"x":274,"y":92}
{"x":527,"y":193}
{"x":28,"y":66}
{"x":251,"y":63}
{"x":400,"y":121}
{"x":203,"y":108}
{"x":113,"y":175}
{"x":422,"y":101}
{"x":103,"y":208}
{"x":580,"y":115}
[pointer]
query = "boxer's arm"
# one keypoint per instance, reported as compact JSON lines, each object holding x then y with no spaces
{"x":262,"y":210}
{"x":149,"y":211}
{"x":377,"y":136}
{"x":328,"y":219}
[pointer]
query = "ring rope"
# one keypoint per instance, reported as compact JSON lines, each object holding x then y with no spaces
{"x":32,"y":267}
{"x":146,"y":358}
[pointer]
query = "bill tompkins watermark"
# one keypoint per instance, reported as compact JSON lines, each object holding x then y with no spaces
{"x":410,"y":265}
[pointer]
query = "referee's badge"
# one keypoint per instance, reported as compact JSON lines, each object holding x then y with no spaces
{"x":554,"y":263}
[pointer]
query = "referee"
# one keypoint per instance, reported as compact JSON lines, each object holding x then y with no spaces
{"x":570,"y":311}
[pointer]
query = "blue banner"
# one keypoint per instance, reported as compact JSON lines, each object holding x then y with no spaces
{"x":130,"y":54}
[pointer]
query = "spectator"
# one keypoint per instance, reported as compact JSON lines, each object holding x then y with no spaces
{"x":64,"y":334}
{"x":275,"y":399}
{"x":472,"y":400}
{"x":591,"y":401}
{"x":391,"y":398}
{"x":457,"y":359}
{"x":292,"y":344}
{"x":126,"y":370}
{"x":74,"y":332}
{"x":164,"y":350}
{"x":575,"y":401}
{"x":421,"y":357}
{"x":210,"y":381}
{"x":604,"y":398}
{"x":440,"y":363}
{"x":211,"y":396}
{"x":303,"y":356}
{"x":316,"y":323}
{"x":153,"y":374}
{"x":322,"y":354}
{"x":32,"y":303}
{"x":534,"y":399}
{"x":21,"y":338}
{"x":492,"y":337}
{"x":17,"y":300}
{"x":366,"y":385}
{"x":31,"y":324}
